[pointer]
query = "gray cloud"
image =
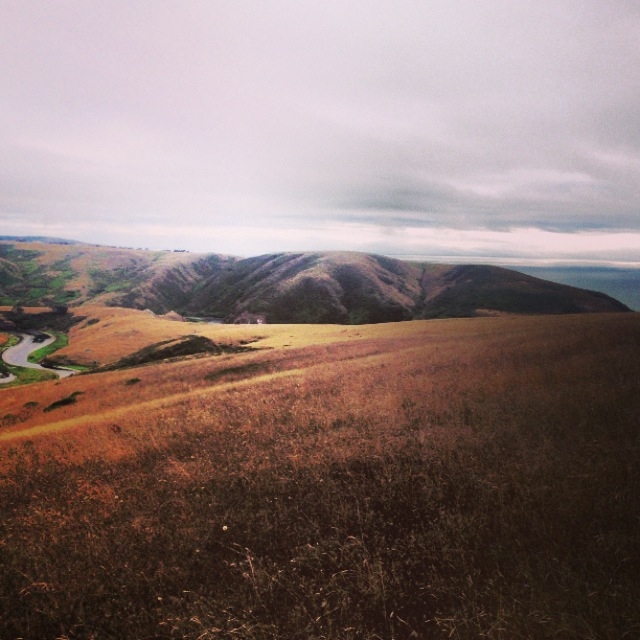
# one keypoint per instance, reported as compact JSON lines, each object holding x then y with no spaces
{"x":214,"y":114}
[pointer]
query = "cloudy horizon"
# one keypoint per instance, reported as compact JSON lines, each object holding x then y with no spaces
{"x":451,"y":128}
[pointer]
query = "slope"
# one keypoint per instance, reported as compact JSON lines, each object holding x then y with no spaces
{"x":463,"y":479}
{"x":36,"y":273}
{"x":301,"y":287}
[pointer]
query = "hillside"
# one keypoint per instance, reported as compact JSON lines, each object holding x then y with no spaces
{"x":32,"y":273}
{"x":468,"y":478}
{"x":308,"y":287}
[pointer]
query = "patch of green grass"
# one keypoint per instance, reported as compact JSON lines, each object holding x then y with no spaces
{"x":74,"y":367}
{"x":40,"y":354}
{"x":28,"y":376}
{"x":28,"y":282}
{"x":111,"y":280}
{"x":11,"y":342}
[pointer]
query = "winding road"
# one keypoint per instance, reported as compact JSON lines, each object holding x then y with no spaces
{"x":18,"y":356}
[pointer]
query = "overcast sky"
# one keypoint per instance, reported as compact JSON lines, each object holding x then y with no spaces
{"x":453,"y":128}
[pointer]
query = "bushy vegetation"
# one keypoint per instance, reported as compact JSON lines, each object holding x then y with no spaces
{"x":26,"y":281}
{"x":63,"y":402}
{"x":119,"y":279}
{"x":479,"y":481}
{"x":47,"y":320}
{"x":41,"y":354}
{"x":179,"y":348}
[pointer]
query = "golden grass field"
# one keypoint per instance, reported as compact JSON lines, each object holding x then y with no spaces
{"x":455,"y":478}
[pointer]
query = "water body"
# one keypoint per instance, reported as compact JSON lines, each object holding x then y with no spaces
{"x":620,"y":283}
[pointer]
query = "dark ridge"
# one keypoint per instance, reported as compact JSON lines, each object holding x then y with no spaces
{"x":170,"y":349}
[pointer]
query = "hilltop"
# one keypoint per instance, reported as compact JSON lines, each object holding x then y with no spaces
{"x":300,"y":287}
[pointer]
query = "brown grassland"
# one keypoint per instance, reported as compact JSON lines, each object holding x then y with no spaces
{"x":474,"y":478}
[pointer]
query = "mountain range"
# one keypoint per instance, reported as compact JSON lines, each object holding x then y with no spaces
{"x":293,"y":287}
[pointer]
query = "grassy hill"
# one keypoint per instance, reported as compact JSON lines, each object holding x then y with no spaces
{"x":458,"y":478}
{"x":314,"y":288}
{"x":332,"y":287}
{"x":32,"y":273}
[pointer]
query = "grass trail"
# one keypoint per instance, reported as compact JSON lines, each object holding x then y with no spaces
{"x":169,"y":401}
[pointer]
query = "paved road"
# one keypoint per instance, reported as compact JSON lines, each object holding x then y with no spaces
{"x":18,"y":355}
{"x":7,"y":379}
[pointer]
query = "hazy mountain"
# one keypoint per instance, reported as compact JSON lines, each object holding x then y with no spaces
{"x":42,"y":239}
{"x":310,"y":287}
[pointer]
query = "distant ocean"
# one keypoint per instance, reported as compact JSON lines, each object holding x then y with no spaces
{"x":617,"y":282}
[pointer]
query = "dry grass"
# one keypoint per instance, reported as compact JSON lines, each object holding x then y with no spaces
{"x":464,"y":479}
{"x":109,"y":333}
{"x":4,"y":309}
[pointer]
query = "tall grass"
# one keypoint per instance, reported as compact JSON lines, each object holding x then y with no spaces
{"x":483,"y":483}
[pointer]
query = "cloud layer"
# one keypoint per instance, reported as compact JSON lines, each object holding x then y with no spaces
{"x":245,"y":127}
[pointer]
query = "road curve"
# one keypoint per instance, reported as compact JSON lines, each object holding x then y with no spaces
{"x":7,"y":379}
{"x":18,"y":356}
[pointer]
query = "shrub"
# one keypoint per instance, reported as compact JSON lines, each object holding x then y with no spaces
{"x":63,"y":402}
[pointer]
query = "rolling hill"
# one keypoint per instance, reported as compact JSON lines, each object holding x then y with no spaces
{"x":305,"y":287}
{"x":407,"y":480}
{"x":476,"y":478}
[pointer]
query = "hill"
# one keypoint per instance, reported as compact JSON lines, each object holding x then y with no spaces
{"x":467,"y":478}
{"x":306,"y":287}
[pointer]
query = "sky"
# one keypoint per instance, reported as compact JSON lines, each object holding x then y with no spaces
{"x":492,"y":131}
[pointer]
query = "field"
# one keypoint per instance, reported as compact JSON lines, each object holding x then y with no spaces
{"x":472,"y":478}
